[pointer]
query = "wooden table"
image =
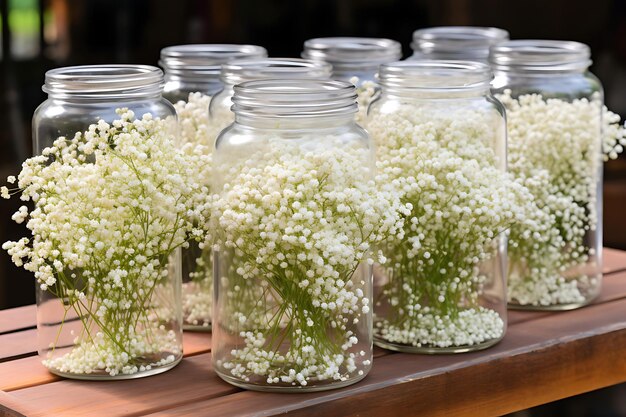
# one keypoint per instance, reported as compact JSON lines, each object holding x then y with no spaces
{"x":544,"y":357}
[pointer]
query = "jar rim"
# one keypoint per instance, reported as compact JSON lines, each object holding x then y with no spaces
{"x":200,"y":60}
{"x":461,"y":40}
{"x":104,"y":81}
{"x":435,"y":75}
{"x":540,"y":55}
{"x":293,"y":98}
{"x":343,"y":52}
{"x":279,"y":68}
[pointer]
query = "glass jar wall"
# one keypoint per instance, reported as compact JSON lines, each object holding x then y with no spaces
{"x":296,"y":218}
{"x":469,"y":43}
{"x":192,"y":77}
{"x":108,"y":296}
{"x":440,"y":138}
{"x":355,"y":60}
{"x":196,"y":68}
{"x":554,"y":112}
{"x":258,"y":69}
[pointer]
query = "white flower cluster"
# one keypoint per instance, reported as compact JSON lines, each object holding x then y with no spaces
{"x":193,"y":120}
{"x":366,"y":93}
{"x":111,"y":205}
{"x":196,"y":129}
{"x":298,"y":218}
{"x":554,"y":151}
{"x":444,"y":161}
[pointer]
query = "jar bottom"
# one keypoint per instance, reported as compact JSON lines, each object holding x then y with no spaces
{"x":435,"y":350}
{"x":102,"y":375}
{"x":325,"y":386}
{"x":552,"y":307}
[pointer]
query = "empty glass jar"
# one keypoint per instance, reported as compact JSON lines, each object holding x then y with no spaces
{"x":296,"y":217}
{"x":469,"y":43}
{"x":441,"y":140}
{"x":108,"y":293}
{"x":258,"y":69}
{"x":554,"y":112}
{"x":192,"y":77}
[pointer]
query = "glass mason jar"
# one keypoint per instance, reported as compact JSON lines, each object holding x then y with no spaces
{"x":293,"y":290}
{"x":115,"y":314}
{"x":470,"y":43}
{"x":192,"y":77}
{"x":196,"y":68}
{"x":355,"y":60}
{"x":238,"y":72}
{"x":441,"y":139}
{"x":554,"y":112}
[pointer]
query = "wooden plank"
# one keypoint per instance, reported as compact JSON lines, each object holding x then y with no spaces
{"x":23,"y":373}
{"x":11,"y":407}
{"x":541,"y":361}
{"x":26,"y":372}
{"x":613,"y":260}
{"x":18,"y":318}
{"x":17,"y":345}
{"x":191,"y":381}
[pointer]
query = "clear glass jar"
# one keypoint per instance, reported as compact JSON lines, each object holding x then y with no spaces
{"x":554,"y":112}
{"x":107,"y":307}
{"x":293,"y":290}
{"x":441,"y":140}
{"x":258,"y":69}
{"x":355,"y":60}
{"x":192,"y":77}
{"x":196,"y":68}
{"x":470,"y":43}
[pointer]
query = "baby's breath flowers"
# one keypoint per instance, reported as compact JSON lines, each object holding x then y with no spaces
{"x":111,"y":207}
{"x":297,"y":219}
{"x":196,"y":129}
{"x":444,"y":161}
{"x":554,"y":151}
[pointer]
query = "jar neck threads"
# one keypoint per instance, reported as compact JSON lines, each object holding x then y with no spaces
{"x":200,"y":63}
{"x":104,"y":82}
{"x":287,"y":103}
{"x":540,"y":56}
{"x":457,"y":42}
{"x":273,"y":68}
{"x":434,"y":78}
{"x":352,"y":55}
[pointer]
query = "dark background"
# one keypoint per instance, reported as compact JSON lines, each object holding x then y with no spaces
{"x":38,"y":35}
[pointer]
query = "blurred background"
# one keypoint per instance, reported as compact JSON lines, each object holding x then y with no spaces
{"x":38,"y":35}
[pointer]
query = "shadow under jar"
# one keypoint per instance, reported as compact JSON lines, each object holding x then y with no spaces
{"x":440,"y":139}
{"x":192,"y":77}
{"x":108,"y":301}
{"x":554,"y":113}
{"x":295,"y":220}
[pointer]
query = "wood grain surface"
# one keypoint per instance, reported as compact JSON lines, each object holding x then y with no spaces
{"x":544,"y":357}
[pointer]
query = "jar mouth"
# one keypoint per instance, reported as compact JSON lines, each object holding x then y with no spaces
{"x":349,"y":52}
{"x":540,"y":55}
{"x":435,"y":75}
{"x":458,"y":40}
{"x":104,"y":81}
{"x":277,"y":68}
{"x":201,"y":60}
{"x":294,"y":98}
